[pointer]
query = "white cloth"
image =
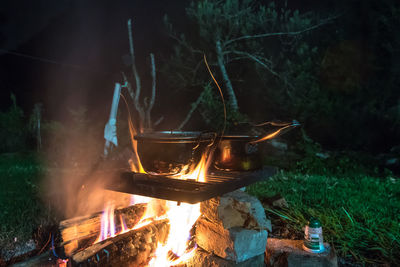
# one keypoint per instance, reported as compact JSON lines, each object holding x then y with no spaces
{"x":110,"y":132}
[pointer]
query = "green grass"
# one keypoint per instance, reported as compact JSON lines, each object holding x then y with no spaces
{"x":360,"y":214}
{"x":21,"y":211}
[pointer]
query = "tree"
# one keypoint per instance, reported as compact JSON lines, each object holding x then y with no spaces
{"x":237,"y":31}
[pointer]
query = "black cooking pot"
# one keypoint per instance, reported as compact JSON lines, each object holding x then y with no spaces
{"x":172,"y":152}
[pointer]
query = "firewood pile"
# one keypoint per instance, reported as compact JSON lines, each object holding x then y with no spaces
{"x":79,"y":236}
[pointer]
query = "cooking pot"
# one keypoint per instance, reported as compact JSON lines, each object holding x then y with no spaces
{"x":241,"y":152}
{"x":237,"y":153}
{"x":172,"y":152}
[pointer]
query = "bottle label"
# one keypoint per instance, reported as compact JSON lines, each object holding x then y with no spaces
{"x":313,"y":239}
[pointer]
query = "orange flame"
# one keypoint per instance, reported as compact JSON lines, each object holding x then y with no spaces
{"x":181,"y":219}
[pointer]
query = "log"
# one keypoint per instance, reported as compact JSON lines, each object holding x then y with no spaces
{"x":133,"y":248}
{"x":80,"y":232}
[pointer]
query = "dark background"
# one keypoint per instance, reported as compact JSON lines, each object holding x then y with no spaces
{"x":68,"y":53}
{"x":85,"y":42}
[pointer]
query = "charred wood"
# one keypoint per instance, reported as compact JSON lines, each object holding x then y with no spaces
{"x":80,"y":232}
{"x":133,"y":248}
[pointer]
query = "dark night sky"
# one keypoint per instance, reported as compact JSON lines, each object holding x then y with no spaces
{"x":88,"y":34}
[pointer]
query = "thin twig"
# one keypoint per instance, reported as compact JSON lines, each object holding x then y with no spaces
{"x":260,"y":60}
{"x":45,"y":245}
{"x":192,"y":109}
{"x":153,"y":92}
{"x":263,"y":35}
{"x":257,"y":59}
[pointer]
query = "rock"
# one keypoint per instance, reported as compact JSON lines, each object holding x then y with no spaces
{"x":236,"y":209}
{"x":285,"y":252}
{"x":46,"y":259}
{"x":18,"y":250}
{"x":276,"y":201}
{"x":203,"y":258}
{"x":280,"y":203}
{"x":235,"y":244}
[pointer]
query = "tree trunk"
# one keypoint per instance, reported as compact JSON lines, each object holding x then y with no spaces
{"x":231,"y":94}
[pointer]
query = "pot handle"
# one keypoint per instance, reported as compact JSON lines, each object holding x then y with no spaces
{"x":276,"y":133}
{"x":204,"y":133}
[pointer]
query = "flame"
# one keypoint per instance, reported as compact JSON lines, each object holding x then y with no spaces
{"x":226,"y":154}
{"x":136,"y":165}
{"x":181,"y":216}
{"x":181,"y":219}
{"x":107,"y":229}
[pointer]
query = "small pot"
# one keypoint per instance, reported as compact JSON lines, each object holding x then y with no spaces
{"x":237,"y":153}
{"x":241,"y":153}
{"x":172,"y":152}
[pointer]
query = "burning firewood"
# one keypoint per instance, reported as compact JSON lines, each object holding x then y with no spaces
{"x":81,"y":232}
{"x":134,"y":247}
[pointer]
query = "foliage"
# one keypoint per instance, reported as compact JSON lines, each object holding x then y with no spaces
{"x":253,"y":38}
{"x":365,"y":231}
{"x":22,"y":211}
{"x":348,"y":97}
{"x":13,"y":131}
{"x":212,"y":111}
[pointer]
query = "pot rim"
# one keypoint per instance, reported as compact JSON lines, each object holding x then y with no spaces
{"x":176,"y":137}
{"x":238,"y":137}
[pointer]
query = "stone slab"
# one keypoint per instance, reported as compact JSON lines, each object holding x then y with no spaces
{"x":236,"y":209}
{"x":203,"y":258}
{"x":235,"y":244}
{"x":286,"y":252}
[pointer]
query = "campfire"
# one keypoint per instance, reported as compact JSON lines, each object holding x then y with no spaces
{"x":184,"y":207}
{"x":172,"y":215}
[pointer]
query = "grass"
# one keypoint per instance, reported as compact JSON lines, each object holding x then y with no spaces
{"x":359,"y":208}
{"x":22,"y":212}
{"x":360,"y":214}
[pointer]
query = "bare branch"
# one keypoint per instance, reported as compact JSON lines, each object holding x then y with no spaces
{"x":257,"y":59}
{"x":158,"y":121}
{"x":280,"y":33}
{"x":153,"y":92}
{"x":260,"y":61}
{"x":138,"y":107}
{"x":128,"y":86}
{"x":184,"y":44}
{"x":192,"y":109}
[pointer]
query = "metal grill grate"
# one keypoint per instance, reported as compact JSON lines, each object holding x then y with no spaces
{"x":190,"y":191}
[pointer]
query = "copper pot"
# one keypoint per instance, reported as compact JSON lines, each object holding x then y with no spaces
{"x":241,"y":152}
